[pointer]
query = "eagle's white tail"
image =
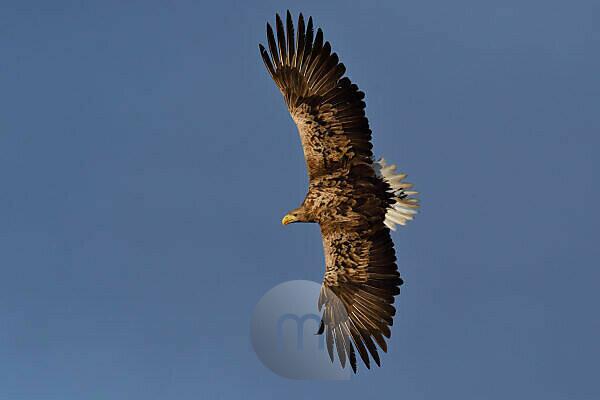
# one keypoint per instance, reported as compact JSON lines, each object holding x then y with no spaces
{"x":405,"y":207}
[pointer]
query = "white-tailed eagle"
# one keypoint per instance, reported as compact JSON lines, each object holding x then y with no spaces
{"x":355,"y":199}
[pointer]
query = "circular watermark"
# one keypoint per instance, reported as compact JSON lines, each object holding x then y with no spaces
{"x":284,"y":335}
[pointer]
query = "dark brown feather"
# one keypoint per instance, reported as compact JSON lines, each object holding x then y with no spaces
{"x":291,"y":52}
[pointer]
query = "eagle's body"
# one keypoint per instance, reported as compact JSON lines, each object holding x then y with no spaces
{"x":354,"y":199}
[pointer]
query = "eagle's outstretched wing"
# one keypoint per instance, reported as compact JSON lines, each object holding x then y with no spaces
{"x":328,"y":109}
{"x":361,"y":277}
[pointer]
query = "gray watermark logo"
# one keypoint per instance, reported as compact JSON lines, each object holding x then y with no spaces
{"x":284,"y":333}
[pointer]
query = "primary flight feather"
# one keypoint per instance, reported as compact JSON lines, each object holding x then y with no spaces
{"x":354,"y":199}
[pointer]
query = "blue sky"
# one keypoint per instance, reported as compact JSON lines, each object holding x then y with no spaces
{"x":146,"y":160}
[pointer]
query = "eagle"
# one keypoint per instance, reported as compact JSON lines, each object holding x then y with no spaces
{"x":355,"y":199}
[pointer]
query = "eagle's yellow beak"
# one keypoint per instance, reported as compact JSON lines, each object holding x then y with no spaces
{"x":288,"y":219}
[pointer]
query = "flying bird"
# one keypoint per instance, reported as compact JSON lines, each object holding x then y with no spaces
{"x":355,"y":199}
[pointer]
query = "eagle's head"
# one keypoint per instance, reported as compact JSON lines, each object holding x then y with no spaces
{"x":297,"y":215}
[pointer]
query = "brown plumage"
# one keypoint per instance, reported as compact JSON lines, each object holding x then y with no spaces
{"x":354,"y":199}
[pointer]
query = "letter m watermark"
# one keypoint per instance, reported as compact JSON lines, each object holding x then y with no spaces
{"x":300,"y":320}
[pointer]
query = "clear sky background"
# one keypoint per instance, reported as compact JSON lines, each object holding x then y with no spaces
{"x":146,"y":160}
